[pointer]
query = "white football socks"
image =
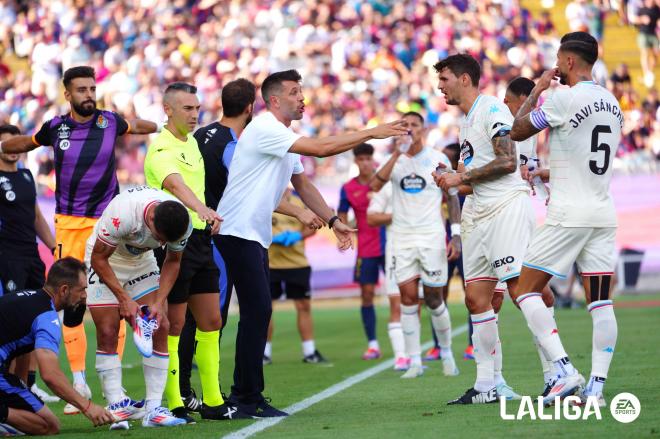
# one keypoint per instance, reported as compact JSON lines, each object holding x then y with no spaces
{"x":155,"y":375}
{"x":441,"y":322}
{"x":108,"y":369}
{"x":603,"y":341}
{"x":308,"y":348}
{"x":411,"y":333}
{"x":484,"y":340}
{"x":395,"y":333}
{"x":497,"y":358}
{"x":268,"y":350}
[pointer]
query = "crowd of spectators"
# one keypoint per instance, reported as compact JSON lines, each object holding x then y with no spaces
{"x":363,"y":61}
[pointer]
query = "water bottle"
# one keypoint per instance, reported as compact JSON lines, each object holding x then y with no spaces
{"x":440,"y":170}
{"x":405,"y":143}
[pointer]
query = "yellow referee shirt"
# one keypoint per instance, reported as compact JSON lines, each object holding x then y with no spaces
{"x":168,"y":155}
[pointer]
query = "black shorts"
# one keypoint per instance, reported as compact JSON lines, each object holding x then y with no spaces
{"x":294,"y":282}
{"x":20,"y":273}
{"x":198,"y":272}
{"x":15,"y":394}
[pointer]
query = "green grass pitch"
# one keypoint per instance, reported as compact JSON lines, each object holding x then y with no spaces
{"x":385,"y":406}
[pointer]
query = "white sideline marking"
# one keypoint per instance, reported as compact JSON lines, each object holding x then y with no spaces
{"x":265,"y":423}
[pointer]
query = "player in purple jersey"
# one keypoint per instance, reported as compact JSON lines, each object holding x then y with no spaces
{"x":86,"y":181}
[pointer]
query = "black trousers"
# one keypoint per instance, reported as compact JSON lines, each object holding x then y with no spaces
{"x":247,"y":265}
{"x":187,"y":343}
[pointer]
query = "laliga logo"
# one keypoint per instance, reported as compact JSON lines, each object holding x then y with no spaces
{"x":625,"y":408}
{"x":566,"y":408}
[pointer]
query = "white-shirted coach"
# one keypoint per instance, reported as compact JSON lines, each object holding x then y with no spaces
{"x":267,"y":157}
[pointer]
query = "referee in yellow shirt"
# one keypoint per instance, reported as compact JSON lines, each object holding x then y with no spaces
{"x":174,"y":164}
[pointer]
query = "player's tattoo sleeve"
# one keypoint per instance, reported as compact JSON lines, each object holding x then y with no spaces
{"x":523,"y":128}
{"x":505,"y":162}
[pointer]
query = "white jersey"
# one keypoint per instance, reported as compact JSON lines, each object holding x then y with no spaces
{"x":585,"y":130}
{"x":416,"y":200}
{"x":467,"y":214}
{"x":123,"y":224}
{"x":478,"y":128}
{"x":260,"y":171}
{"x":381,"y":201}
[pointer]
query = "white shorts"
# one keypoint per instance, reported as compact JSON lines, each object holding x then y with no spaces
{"x":429,"y":264}
{"x":495,"y":249}
{"x":138,"y":277}
{"x":554,"y":249}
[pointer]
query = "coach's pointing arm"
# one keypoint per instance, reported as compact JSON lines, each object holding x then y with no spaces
{"x":333,"y":145}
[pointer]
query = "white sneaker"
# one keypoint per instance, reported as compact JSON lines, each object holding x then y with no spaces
{"x":506,"y":391}
{"x":121,"y":425}
{"x":414,"y":371}
{"x":42,"y":394}
{"x":84,"y":391}
{"x":599,"y":398}
{"x":126,"y":409}
{"x":144,"y":331}
{"x":161,"y":417}
{"x":7,"y":430}
{"x":564,"y":386}
{"x":449,"y":367}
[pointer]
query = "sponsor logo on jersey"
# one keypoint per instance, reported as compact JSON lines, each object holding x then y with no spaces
{"x":467,"y":152}
{"x":64,"y":144}
{"x":413,"y":183}
{"x":6,"y":186}
{"x":102,"y":122}
{"x":135,"y":250}
{"x":10,"y":195}
{"x":502,"y":261}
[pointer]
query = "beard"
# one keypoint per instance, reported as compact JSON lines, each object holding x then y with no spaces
{"x":84,"y":109}
{"x":563,"y":78}
{"x":73,"y":314}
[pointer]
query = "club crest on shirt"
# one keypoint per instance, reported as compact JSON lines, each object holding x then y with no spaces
{"x":6,"y":186}
{"x":101,"y":122}
{"x":467,"y":152}
{"x":413,"y":183}
{"x":116,"y":222}
{"x":64,"y":132}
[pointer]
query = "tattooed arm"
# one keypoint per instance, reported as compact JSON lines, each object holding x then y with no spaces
{"x":523,"y":128}
{"x":505,"y":162}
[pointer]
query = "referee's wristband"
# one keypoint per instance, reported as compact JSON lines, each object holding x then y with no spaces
{"x":331,"y":221}
{"x":455,"y":229}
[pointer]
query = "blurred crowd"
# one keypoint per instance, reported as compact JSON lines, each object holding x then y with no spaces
{"x":363,"y":61}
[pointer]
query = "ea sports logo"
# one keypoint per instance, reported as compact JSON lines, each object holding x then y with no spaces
{"x":625,"y":407}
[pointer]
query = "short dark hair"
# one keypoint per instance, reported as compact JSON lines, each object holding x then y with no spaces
{"x":171,"y":219}
{"x":521,"y":86}
{"x":180,"y":86}
{"x":236,"y":96}
{"x":459,"y":64}
{"x":65,"y":271}
{"x":9,"y":129}
{"x":273,"y":83}
{"x":77,"y":72}
{"x":582,"y":44}
{"x":416,"y":114}
{"x":363,"y":149}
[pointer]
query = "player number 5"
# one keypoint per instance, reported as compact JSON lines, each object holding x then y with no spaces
{"x":595,"y":147}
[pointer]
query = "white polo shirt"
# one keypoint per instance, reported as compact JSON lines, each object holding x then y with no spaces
{"x":260,"y":171}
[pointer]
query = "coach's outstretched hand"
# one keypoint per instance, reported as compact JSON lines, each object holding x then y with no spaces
{"x":98,"y":415}
{"x":390,"y":129}
{"x":344,"y":235}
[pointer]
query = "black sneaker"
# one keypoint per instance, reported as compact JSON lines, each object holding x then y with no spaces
{"x":224,"y":412}
{"x":261,"y":409}
{"x":267,"y":360}
{"x":191,"y":402}
{"x":316,"y":357}
{"x":182,"y":413}
{"x":471,"y":396}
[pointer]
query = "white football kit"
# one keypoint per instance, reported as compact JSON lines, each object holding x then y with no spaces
{"x":499,"y":218}
{"x":417,"y":233}
{"x":123,"y":226}
{"x":585,"y":129}
{"x":381,"y":202}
